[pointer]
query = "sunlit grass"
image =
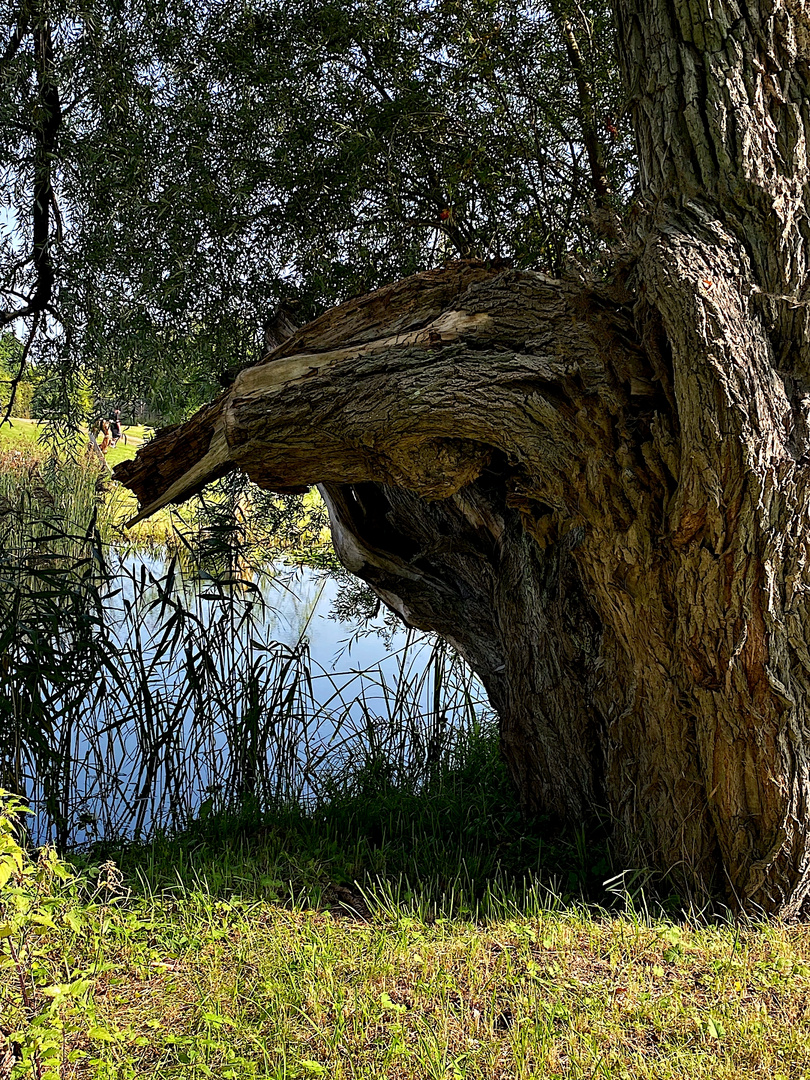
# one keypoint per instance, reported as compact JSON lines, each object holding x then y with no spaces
{"x":107,"y":974}
{"x":23,"y":434}
{"x":18,"y":434}
{"x":24,"y":445}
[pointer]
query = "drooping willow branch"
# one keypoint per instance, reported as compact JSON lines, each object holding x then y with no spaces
{"x":18,"y":378}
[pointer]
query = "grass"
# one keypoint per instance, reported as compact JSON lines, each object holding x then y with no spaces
{"x":295,"y":529}
{"x":158,"y":968}
{"x":19,"y":434}
{"x":22,"y":450}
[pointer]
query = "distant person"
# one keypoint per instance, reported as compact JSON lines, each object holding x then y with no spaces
{"x":104,"y":431}
{"x":115,"y":428}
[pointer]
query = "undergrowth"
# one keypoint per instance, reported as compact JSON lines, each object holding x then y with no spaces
{"x":132,"y":685}
{"x":451,"y":844}
{"x":154,"y":967}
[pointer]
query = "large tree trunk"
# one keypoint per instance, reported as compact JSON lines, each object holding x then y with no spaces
{"x":598,"y":491}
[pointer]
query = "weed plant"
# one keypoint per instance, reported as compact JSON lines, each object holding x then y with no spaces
{"x":50,"y":617}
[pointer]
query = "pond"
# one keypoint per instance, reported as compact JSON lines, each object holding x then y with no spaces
{"x":201,"y":695}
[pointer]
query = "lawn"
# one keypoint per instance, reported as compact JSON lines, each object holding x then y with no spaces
{"x":18,"y":434}
{"x":305,"y":540}
{"x":25,"y":437}
{"x":251,"y":961}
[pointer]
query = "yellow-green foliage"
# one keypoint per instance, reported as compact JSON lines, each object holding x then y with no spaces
{"x":42,"y":990}
{"x":23,"y":397}
{"x":26,"y":434}
{"x":22,"y":453}
{"x":20,"y":434}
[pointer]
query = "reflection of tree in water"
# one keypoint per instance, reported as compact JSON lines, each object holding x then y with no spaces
{"x":235,"y":529}
{"x":358,"y":606}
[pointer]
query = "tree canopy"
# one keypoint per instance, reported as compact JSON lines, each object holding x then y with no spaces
{"x":173,"y":171}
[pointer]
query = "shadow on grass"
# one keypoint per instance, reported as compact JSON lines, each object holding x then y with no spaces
{"x":456,"y":847}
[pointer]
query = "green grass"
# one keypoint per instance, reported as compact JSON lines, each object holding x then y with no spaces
{"x":445,"y":844}
{"x":304,"y":537}
{"x":60,"y":493}
{"x":22,"y":446}
{"x":105,"y":973}
{"x":21,"y":434}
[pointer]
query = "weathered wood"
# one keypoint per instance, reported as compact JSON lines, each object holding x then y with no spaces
{"x":492,"y":473}
{"x":599,"y":492}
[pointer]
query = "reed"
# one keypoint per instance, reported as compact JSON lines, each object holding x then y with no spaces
{"x":138,"y":695}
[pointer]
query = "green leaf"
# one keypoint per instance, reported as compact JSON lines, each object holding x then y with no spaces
{"x":43,"y":921}
{"x":74,"y":922}
{"x":217,"y":1019}
{"x":8,"y":867}
{"x":100,"y":1034}
{"x":715,"y":1029}
{"x":40,"y":925}
{"x":72,"y":989}
{"x":312,"y":1068}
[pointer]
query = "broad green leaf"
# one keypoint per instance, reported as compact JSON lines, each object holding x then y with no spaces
{"x":100,"y":1034}
{"x":715,"y":1029}
{"x":312,"y":1068}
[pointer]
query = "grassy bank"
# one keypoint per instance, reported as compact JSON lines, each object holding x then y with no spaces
{"x":248,"y":959}
{"x":234,"y":513}
{"x":24,"y":455}
{"x":27,"y":435}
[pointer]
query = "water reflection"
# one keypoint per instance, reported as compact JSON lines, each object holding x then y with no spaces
{"x":211,"y":693}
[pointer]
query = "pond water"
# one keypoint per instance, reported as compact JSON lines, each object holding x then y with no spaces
{"x":208,"y":694}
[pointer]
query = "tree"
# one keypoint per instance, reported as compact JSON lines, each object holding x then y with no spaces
{"x":173,"y":170}
{"x":596,"y":485}
{"x":10,"y":352}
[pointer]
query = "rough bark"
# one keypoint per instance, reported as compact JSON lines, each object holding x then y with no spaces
{"x":598,"y":491}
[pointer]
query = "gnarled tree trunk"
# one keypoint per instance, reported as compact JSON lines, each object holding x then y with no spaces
{"x":597,"y":491}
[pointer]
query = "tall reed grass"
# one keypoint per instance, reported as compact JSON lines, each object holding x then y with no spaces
{"x":136,"y":694}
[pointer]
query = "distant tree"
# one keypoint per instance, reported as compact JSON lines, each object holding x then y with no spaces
{"x":11,"y":385}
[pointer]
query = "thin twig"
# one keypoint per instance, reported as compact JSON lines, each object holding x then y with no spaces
{"x":15,"y":382}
